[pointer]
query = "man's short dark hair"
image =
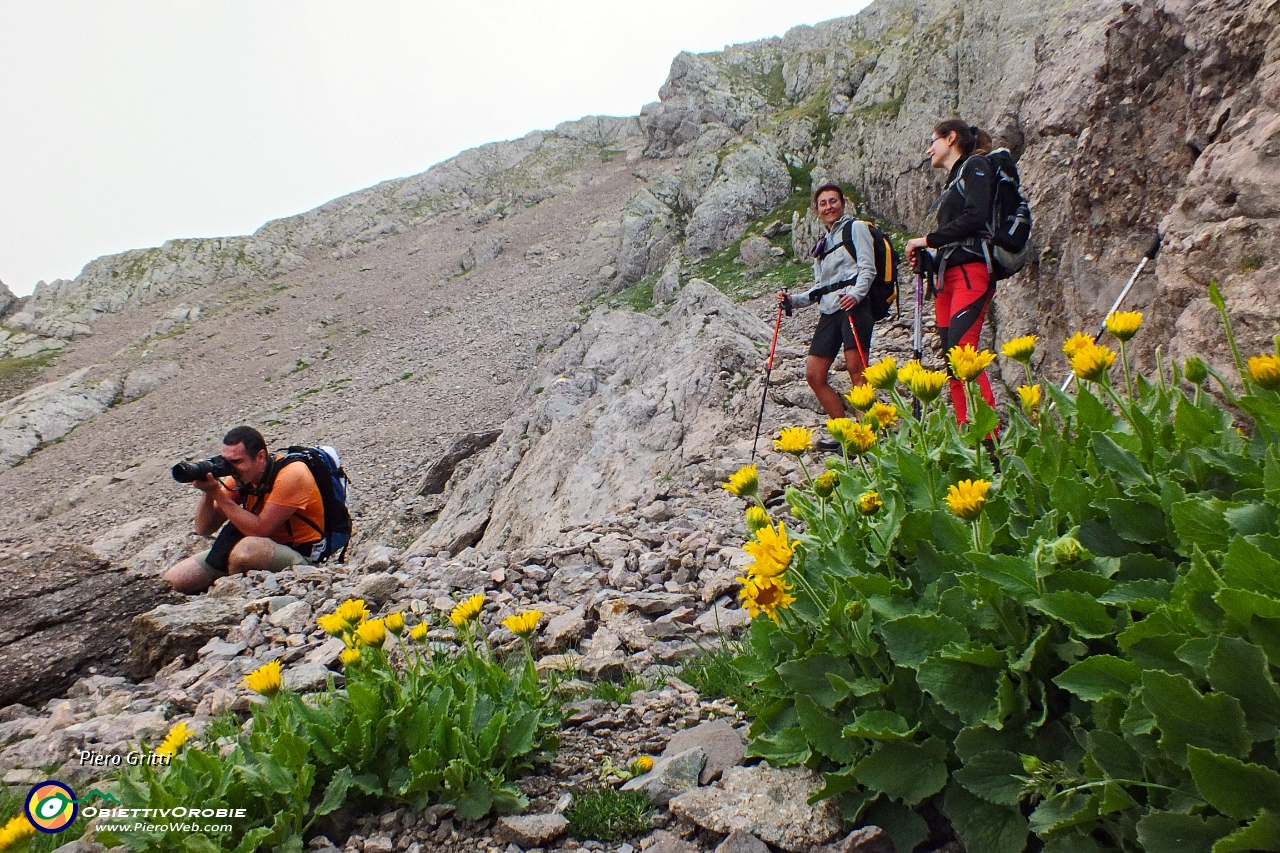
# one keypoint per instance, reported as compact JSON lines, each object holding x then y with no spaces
{"x":248,"y":436}
{"x":828,"y":188}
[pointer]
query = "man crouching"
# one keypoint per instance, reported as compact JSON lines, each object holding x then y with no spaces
{"x":271,"y":515}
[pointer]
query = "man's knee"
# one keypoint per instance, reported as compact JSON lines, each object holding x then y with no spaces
{"x":816,"y":375}
{"x":188,"y":576}
{"x":252,"y":553}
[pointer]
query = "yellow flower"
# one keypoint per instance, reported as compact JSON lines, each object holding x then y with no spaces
{"x":793,"y":440}
{"x":1030,"y":395}
{"x":756,"y":518}
{"x":765,"y":594}
{"x":967,"y":498}
{"x":643,"y":764}
{"x":265,"y":679}
{"x":349,"y":656}
{"x":467,"y":610}
{"x":1124,"y":324}
{"x":967,"y":362}
{"x":869,"y":503}
{"x":1092,"y":361}
{"x":1020,"y":349}
{"x":522,"y":624}
{"x":178,"y":735}
{"x":333,"y":624}
{"x":15,"y":830}
{"x":395,"y":623}
{"x":1073,"y":344}
{"x":1265,"y":370}
{"x":861,"y":397}
{"x":884,"y":415}
{"x":745,"y":482}
{"x":418,"y":632}
{"x":926,"y":385}
{"x":772,"y":551}
{"x":910,"y":370}
{"x":859,"y":438}
{"x":352,"y":611}
{"x":826,"y":484}
{"x":883,"y":374}
{"x":373,"y":632}
{"x":838,"y":427}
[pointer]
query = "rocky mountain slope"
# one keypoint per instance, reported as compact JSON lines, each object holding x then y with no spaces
{"x":481,"y":344}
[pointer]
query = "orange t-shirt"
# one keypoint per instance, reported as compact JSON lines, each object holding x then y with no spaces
{"x":294,"y":487}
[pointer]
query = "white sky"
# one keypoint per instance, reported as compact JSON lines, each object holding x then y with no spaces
{"x":125,"y":124}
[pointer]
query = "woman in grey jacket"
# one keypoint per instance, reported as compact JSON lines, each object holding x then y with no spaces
{"x":844,"y":275}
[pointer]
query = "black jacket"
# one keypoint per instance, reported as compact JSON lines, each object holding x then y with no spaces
{"x":963,"y":211}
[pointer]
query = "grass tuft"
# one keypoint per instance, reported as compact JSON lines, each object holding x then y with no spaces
{"x":714,"y":671}
{"x":606,"y":814}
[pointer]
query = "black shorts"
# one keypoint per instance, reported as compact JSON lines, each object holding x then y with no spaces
{"x":833,"y":333}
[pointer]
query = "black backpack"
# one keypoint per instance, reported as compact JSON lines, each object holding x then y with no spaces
{"x":883,"y":294}
{"x":1010,"y":224}
{"x":331,"y":480}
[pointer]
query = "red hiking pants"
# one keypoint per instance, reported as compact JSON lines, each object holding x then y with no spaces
{"x":961,"y":305}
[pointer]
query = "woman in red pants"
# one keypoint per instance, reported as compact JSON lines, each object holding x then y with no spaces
{"x":963,"y":212}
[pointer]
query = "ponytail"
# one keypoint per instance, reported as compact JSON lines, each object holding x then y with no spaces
{"x":966,"y":134}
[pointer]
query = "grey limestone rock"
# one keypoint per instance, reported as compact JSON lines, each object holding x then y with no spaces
{"x":648,"y":238}
{"x":178,"y":630}
{"x":536,"y":830}
{"x":377,"y":588}
{"x":50,"y":411}
{"x":740,"y":841}
{"x":671,"y":775}
{"x":719,"y":741}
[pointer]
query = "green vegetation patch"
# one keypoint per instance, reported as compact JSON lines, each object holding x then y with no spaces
{"x":607,"y":814}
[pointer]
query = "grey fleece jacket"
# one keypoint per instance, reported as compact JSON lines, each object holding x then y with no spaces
{"x":839,"y":265}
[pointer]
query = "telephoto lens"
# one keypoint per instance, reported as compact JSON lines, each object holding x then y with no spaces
{"x":189,"y":472}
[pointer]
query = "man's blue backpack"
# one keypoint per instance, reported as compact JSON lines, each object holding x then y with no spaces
{"x":326,"y":468}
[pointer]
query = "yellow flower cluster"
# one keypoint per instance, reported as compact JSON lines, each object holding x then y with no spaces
{"x":967,"y":498}
{"x":1075,"y":343}
{"x":745,"y":482}
{"x":794,"y":440}
{"x":418,"y":632}
{"x":826,"y":484}
{"x":1123,"y":324}
{"x":1030,"y":395}
{"x":522,"y":624}
{"x":1021,"y":349}
{"x":265,"y":679}
{"x":967,"y":362}
{"x":178,"y":735}
{"x":882,"y":375}
{"x":765,"y":589}
{"x":16,"y":830}
{"x":1090,"y":362}
{"x":641,"y":765}
{"x":869,"y":503}
{"x":924,"y":385}
{"x":1265,"y":370}
{"x":466,"y":611}
{"x":861,"y":397}
{"x":756,"y":518}
{"x":856,"y":438}
{"x":883,"y":415}
{"x":351,"y":622}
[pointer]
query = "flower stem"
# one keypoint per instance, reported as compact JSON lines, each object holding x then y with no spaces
{"x":1128,"y":379}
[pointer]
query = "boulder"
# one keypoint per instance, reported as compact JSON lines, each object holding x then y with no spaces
{"x":719,"y":741}
{"x":66,"y":610}
{"x":671,"y":775}
{"x":462,"y":447}
{"x":533,"y":830}
{"x":771,"y":804}
{"x":178,"y":630}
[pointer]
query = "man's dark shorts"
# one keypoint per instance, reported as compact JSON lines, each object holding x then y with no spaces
{"x":833,"y":333}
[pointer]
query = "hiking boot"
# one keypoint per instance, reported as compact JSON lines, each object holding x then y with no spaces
{"x":828,"y":445}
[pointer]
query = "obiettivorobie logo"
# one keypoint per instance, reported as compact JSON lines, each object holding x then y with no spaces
{"x":52,"y":806}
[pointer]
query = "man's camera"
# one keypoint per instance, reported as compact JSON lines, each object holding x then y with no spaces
{"x":189,"y":472}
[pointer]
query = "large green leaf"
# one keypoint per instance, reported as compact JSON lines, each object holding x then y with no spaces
{"x":1091,"y":413}
{"x":904,"y":826}
{"x":965,"y":689}
{"x":1137,"y":521}
{"x":1263,"y":833}
{"x":912,"y":639}
{"x":879,"y":725}
{"x":905,"y":771}
{"x":984,"y":827}
{"x":1186,"y":718}
{"x":1197,"y":521}
{"x":1064,"y":809}
{"x":824,"y":733}
{"x":996,"y":776}
{"x":1080,"y":611}
{"x":1171,"y":832}
{"x":1246,"y":566}
{"x":335,"y":793}
{"x":1099,"y":676}
{"x":1240,"y":669}
{"x":1234,"y":787}
{"x":1014,"y":574}
{"x":808,"y":675}
{"x":1122,"y":464}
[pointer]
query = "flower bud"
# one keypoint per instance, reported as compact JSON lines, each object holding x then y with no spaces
{"x":826,"y":484}
{"x":756,"y":519}
{"x":854,"y":610}
{"x":1067,"y":551}
{"x":1195,"y":370}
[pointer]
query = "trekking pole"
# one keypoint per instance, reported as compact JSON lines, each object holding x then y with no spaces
{"x":768,"y":369}
{"x":857,"y":343}
{"x":1147,"y":257}
{"x":917,"y":331}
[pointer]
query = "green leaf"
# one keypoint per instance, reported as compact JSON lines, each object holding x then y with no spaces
{"x":1122,"y":464}
{"x":1246,"y":566}
{"x":1091,"y":414}
{"x":1186,"y":718}
{"x":1195,"y":426}
{"x":1234,"y":787}
{"x":912,"y":639}
{"x":1064,"y":809}
{"x":997,"y":777}
{"x":1114,"y":755}
{"x":1240,"y":669}
{"x":1137,"y":521}
{"x":965,"y":689}
{"x":879,"y":725}
{"x":290,"y":750}
{"x":984,"y":827}
{"x":1242,"y":605}
{"x":1099,"y":676}
{"x":1014,"y":574}
{"x":824,"y":733}
{"x":1081,"y":612}
{"x":1251,"y":518}
{"x":1200,"y":522}
{"x":905,"y":828}
{"x":1071,"y":843}
{"x":1170,"y":832}
{"x":809,"y":676}
{"x":1263,"y":833}
{"x":335,"y":794}
{"x":784,"y":748}
{"x":905,"y":771}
